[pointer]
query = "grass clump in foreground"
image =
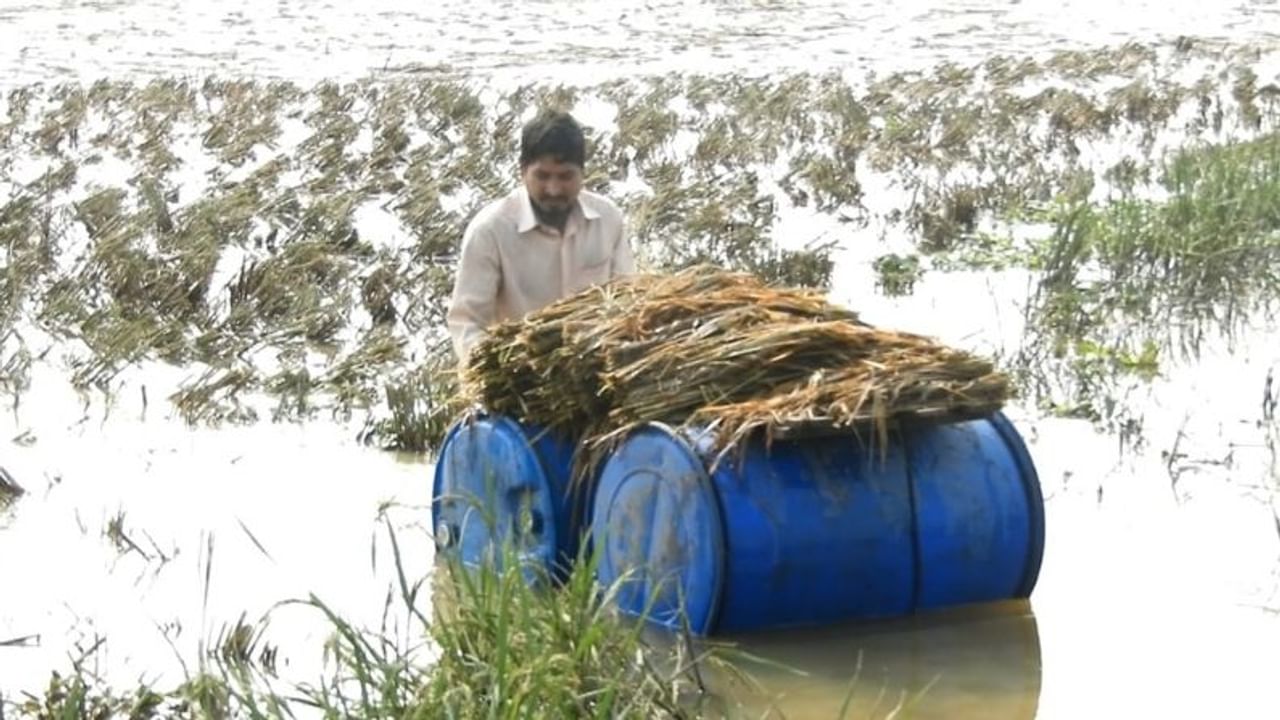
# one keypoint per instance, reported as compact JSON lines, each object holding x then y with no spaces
{"x":496,"y":647}
{"x":511,"y":651}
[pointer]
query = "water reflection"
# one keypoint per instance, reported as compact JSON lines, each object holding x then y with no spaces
{"x":977,"y":661}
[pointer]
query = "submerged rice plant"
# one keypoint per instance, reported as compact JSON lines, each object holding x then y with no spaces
{"x":1128,"y":283}
{"x":10,"y":490}
{"x":1201,"y":259}
{"x":231,"y":233}
{"x":422,"y":401}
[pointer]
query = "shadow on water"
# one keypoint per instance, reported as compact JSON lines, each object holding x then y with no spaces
{"x":976,"y":661}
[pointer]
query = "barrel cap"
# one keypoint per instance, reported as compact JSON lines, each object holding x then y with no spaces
{"x":490,"y":489}
{"x":659,"y":532}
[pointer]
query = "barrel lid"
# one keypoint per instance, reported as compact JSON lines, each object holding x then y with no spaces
{"x":490,"y":489}
{"x":659,"y":533}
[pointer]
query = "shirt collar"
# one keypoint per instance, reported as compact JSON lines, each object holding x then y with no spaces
{"x":527,"y":221}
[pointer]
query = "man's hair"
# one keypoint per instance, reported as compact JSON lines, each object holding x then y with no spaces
{"x":555,"y":134}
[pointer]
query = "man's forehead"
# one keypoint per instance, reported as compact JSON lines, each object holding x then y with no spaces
{"x":548,"y":163}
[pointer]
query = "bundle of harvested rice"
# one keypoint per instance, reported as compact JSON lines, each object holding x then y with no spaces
{"x":921,"y":382}
{"x":720,"y":349}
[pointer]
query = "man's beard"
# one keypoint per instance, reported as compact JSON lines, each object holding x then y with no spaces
{"x":555,"y":216}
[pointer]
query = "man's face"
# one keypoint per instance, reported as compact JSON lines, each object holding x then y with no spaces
{"x":553,"y":188}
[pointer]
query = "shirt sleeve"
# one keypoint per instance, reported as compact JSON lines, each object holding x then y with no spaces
{"x":473,"y":306}
{"x":624,"y":262}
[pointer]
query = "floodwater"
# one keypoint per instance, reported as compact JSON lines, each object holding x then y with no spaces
{"x":156,"y":538}
{"x":1160,"y":589}
{"x":543,"y":40}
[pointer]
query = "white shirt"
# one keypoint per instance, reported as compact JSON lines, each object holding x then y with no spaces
{"x":511,"y":265}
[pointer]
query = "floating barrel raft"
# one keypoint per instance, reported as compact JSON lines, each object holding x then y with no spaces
{"x":817,"y":530}
{"x":762,"y":458}
{"x":807,"y":531}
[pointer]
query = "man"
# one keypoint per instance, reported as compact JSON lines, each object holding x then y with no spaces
{"x":546,"y":240}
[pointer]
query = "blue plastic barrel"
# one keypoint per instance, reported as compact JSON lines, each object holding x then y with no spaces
{"x":817,"y":530}
{"x":500,"y":482}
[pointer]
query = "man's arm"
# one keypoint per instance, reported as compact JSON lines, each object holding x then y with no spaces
{"x":473,"y":306}
{"x":624,"y":262}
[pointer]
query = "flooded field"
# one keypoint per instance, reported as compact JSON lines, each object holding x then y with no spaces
{"x":583,"y":40}
{"x":227,"y":228}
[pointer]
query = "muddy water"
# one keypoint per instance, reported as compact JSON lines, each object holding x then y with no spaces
{"x":156,"y":538}
{"x":582,"y":39}
{"x":1161,"y":582}
{"x":973,"y":662}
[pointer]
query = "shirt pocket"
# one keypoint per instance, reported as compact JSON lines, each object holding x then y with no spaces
{"x":591,"y":264}
{"x":591,"y":251}
{"x":587,"y":275}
